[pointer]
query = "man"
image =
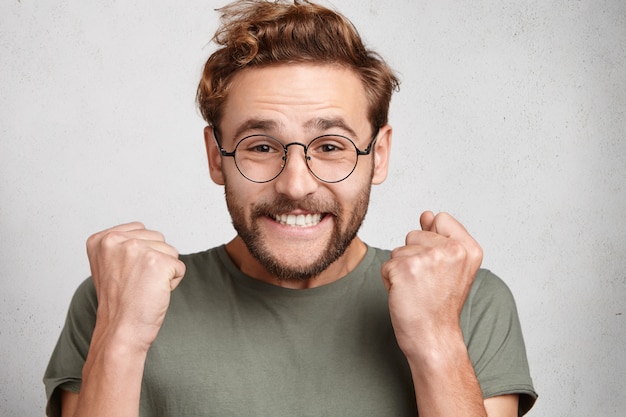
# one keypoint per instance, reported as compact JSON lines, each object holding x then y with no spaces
{"x":296,"y":315}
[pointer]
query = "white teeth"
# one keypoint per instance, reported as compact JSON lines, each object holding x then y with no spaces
{"x":298,"y":220}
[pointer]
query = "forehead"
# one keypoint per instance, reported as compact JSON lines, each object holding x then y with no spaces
{"x":292,"y":97}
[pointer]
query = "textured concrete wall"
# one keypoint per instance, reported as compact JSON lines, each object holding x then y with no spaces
{"x":511,"y":116}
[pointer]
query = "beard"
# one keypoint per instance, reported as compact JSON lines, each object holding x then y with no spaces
{"x":344,"y":231}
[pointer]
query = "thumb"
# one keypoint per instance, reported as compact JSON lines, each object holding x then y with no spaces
{"x":427,"y":221}
{"x":177,"y":274}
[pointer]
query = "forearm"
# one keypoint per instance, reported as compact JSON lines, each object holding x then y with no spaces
{"x":112,"y":376}
{"x":134,"y":272}
{"x":444,"y":379}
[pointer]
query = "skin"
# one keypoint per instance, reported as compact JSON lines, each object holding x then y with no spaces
{"x":428,"y":278}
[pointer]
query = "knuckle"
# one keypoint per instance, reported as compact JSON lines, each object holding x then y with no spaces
{"x":395,"y":253}
{"x":95,"y":239}
{"x":91,"y":242}
{"x":476,"y":254}
{"x":477,"y":250}
{"x":454,"y":250}
{"x":155,"y":259}
{"x":155,"y":235}
{"x":101,"y":242}
{"x":152,"y":259}
{"x":130,"y":245}
{"x":110,"y":239}
{"x":412,"y":265}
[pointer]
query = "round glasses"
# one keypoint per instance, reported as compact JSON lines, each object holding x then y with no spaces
{"x":330,"y":158}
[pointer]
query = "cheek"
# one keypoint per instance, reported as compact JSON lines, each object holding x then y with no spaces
{"x":364,"y":172}
{"x":353,"y":196}
{"x":236,"y":195}
{"x":241,"y":194}
{"x":229,"y":172}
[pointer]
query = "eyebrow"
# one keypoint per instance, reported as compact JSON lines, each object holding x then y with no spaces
{"x":316,"y":124}
{"x":322,"y":124}
{"x":256,"y":124}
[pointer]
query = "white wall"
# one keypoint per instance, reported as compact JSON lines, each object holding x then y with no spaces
{"x":511,"y":116}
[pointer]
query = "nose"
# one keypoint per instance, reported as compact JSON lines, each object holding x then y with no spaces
{"x":296,"y":181}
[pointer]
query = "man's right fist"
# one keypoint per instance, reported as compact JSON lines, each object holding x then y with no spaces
{"x":134,"y":272}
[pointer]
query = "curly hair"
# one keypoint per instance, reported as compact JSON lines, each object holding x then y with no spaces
{"x":261,"y":33}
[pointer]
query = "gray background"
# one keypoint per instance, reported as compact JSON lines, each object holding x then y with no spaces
{"x":511,"y":116}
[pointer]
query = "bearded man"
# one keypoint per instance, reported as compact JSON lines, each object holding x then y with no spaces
{"x":296,"y":316}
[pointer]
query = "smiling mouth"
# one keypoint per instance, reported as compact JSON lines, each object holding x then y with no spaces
{"x":299,"y":220}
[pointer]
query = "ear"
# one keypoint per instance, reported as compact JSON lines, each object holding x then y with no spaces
{"x":381,"y":151}
{"x":214,"y":156}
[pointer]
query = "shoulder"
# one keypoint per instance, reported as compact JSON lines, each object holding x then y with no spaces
{"x":490,"y":303}
{"x":210,"y":262}
{"x":378,"y":256}
{"x":200,"y":259}
{"x":489,"y":290}
{"x":208,"y":274}
{"x":489,"y":311}
{"x":85,"y":299}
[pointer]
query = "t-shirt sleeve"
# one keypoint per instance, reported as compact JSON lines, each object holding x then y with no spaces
{"x":494,"y":340}
{"x":65,"y":367}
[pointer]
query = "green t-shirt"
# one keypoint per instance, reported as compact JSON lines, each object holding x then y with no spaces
{"x":231,"y":345}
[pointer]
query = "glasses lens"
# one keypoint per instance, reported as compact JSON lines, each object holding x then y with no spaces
{"x":259,"y":158}
{"x":332,"y":158}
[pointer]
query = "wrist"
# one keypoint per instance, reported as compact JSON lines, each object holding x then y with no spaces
{"x":435,"y":346}
{"x":124,"y":331}
{"x":119,"y":340}
{"x":114,"y":356}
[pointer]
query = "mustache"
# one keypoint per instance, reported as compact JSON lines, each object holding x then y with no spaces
{"x":281,"y":204}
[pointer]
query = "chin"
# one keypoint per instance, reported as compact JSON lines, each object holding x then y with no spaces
{"x":292,"y":267}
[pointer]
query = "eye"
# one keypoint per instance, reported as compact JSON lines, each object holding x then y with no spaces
{"x":327,"y":145}
{"x":260,"y":148}
{"x":259,"y":144}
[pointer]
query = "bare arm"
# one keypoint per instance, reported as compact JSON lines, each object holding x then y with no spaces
{"x":502,"y":405}
{"x":69,"y":403}
{"x":134,"y":272}
{"x":428,"y":280}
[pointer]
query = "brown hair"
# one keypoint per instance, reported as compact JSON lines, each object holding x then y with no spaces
{"x":259,"y":33}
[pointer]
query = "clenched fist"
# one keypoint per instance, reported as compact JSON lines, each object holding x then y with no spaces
{"x":429,"y":278}
{"x":134,"y":272}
